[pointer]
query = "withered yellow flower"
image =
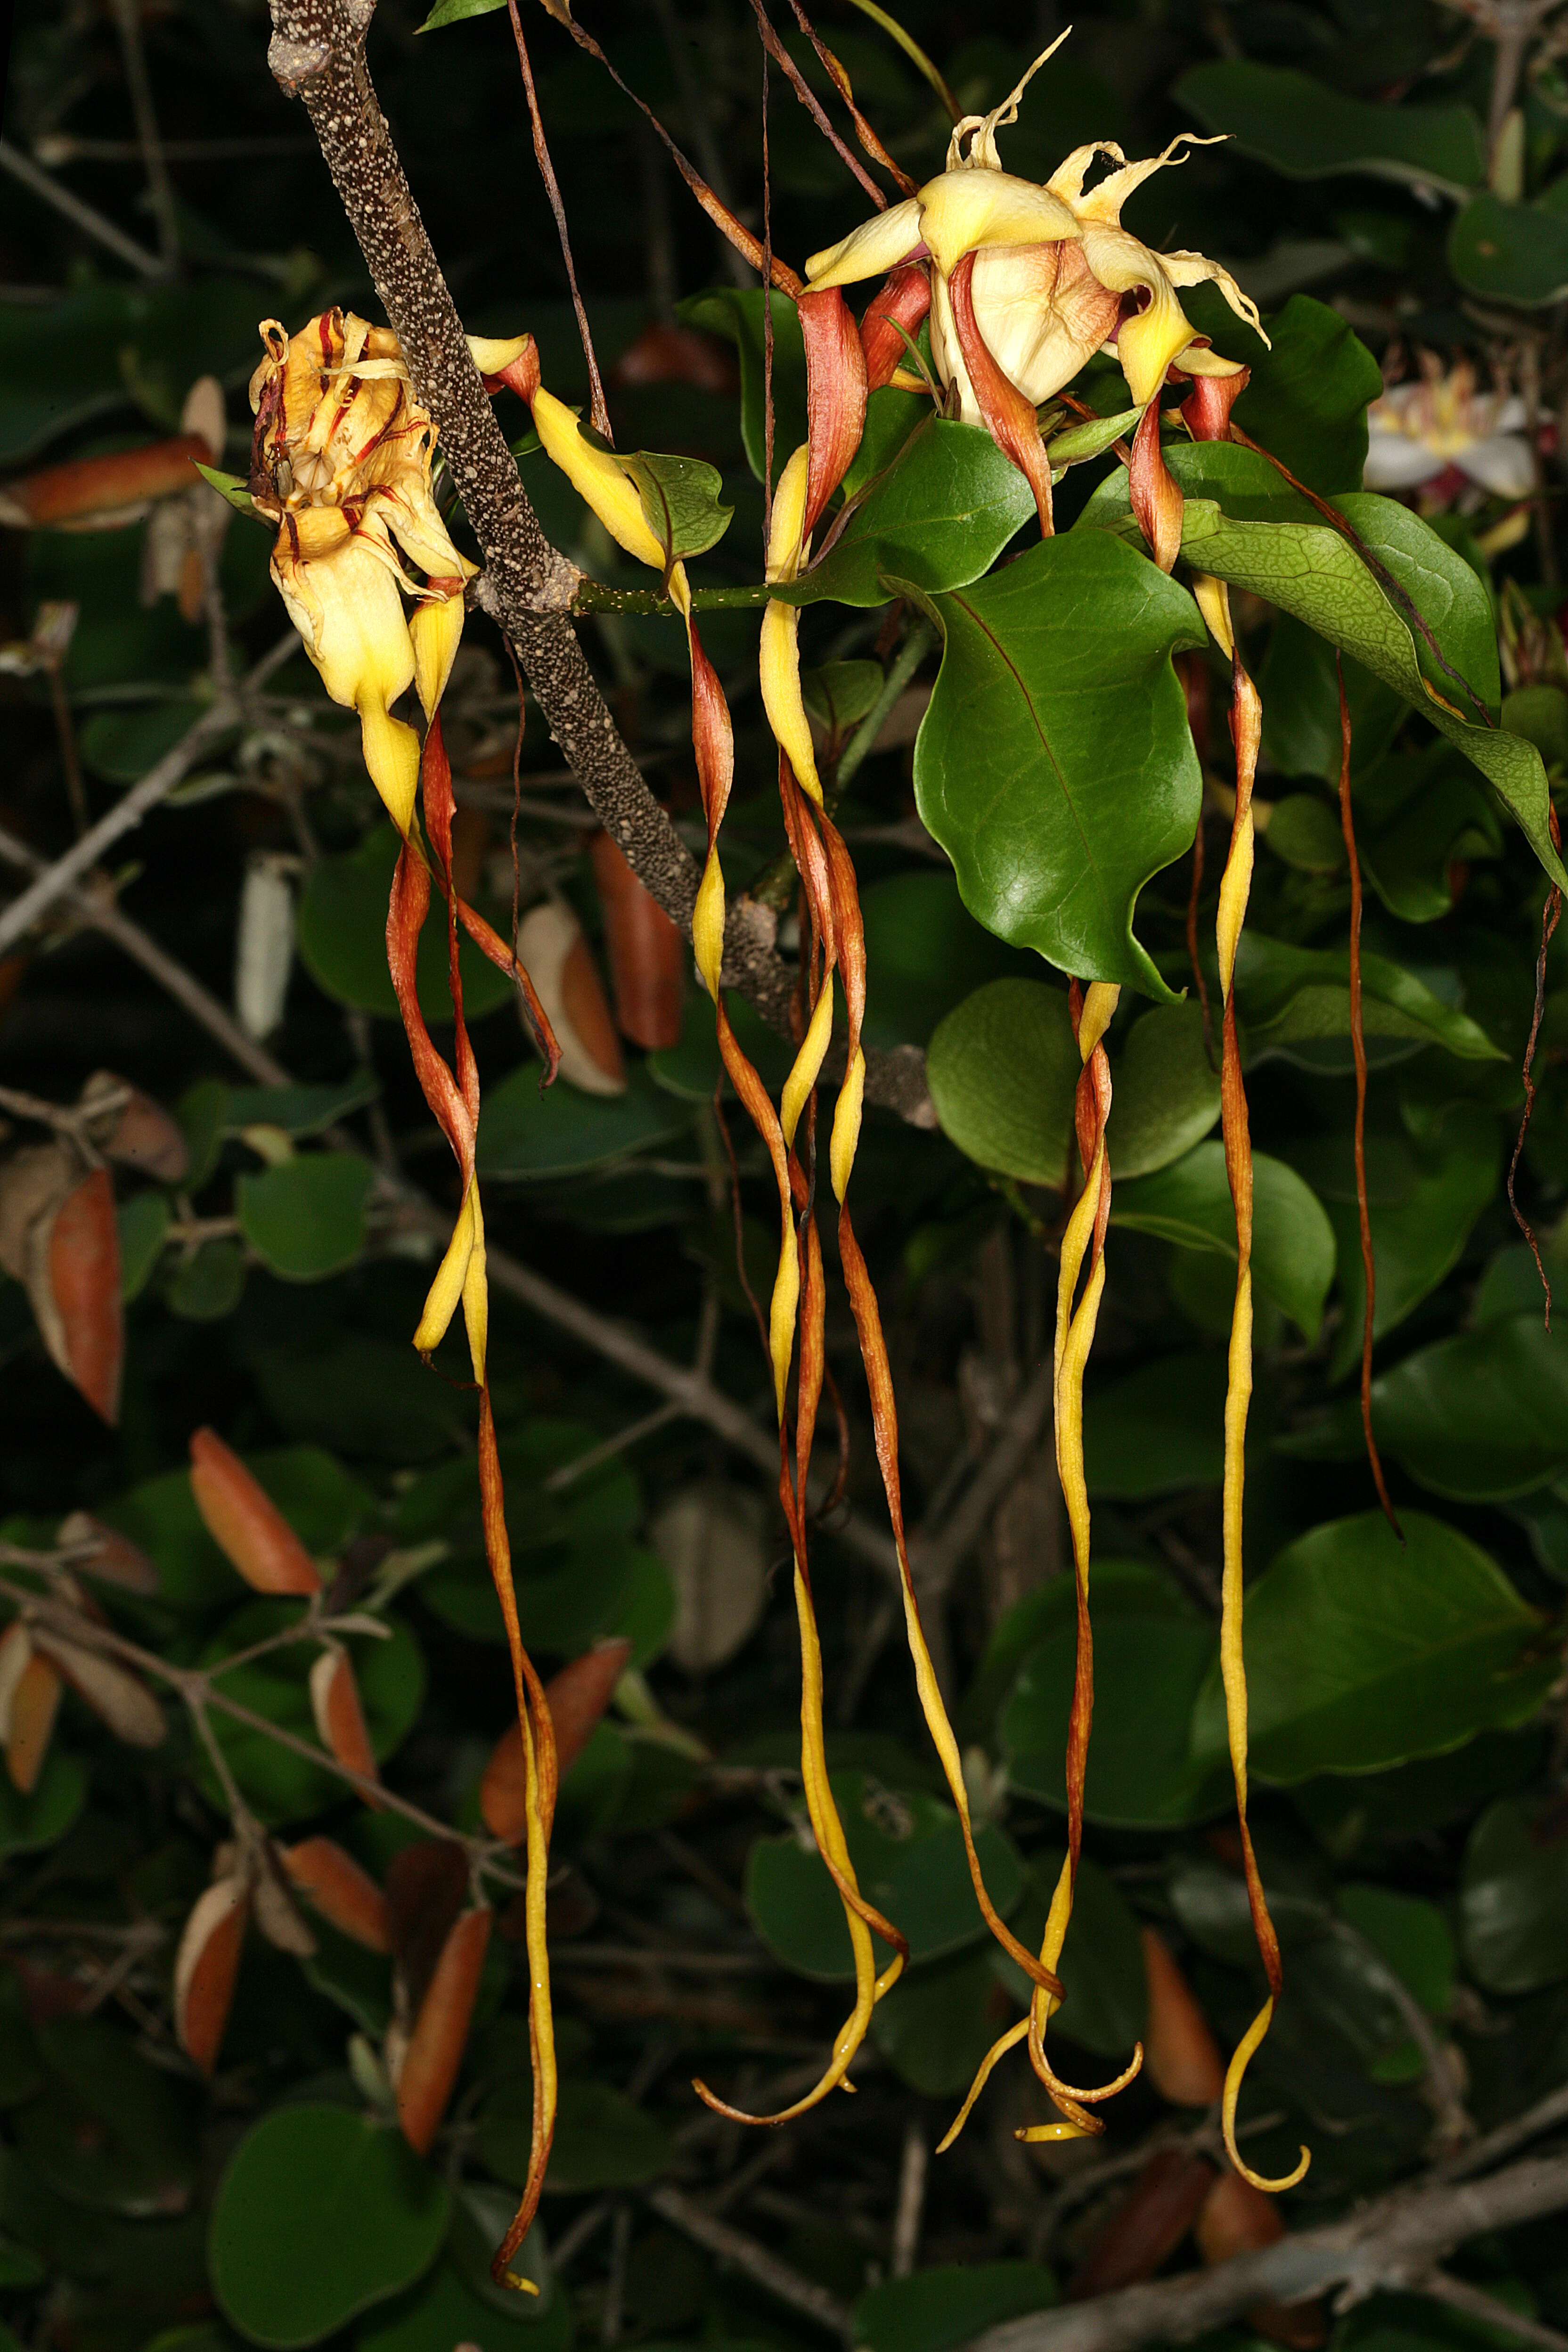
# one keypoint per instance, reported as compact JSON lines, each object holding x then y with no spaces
{"x":341,"y":462}
{"x":1054,"y":276}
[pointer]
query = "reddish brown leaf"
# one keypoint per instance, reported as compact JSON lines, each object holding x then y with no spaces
{"x":426,"y":1884}
{"x":1148,"y":2225}
{"x":1205,"y":412}
{"x":207,"y":1966}
{"x":244,"y":1522}
{"x":113,"y":1557}
{"x":97,"y":493}
{"x":550,"y":943}
{"x":435,"y":2046}
{"x":1181,"y":2057}
{"x":84,"y":1277}
{"x":278,"y":1914}
{"x":577,"y":1698}
{"x":140,"y":1133}
{"x":678,"y":355}
{"x":347,"y":1898}
{"x":29,"y":1700}
{"x":1156,"y":500}
{"x":119,"y":1698}
{"x":835,"y":391}
{"x":340,"y":1717}
{"x":1010,"y":418}
{"x":648,"y":954}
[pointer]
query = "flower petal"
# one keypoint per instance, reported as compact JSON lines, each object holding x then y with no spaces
{"x":877,"y":246}
{"x":963,"y":209}
{"x":1502,"y":463}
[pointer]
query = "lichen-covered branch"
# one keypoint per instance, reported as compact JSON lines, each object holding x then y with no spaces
{"x":317,"y":55}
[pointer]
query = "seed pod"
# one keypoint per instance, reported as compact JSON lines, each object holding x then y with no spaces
{"x":1147,"y":2226}
{"x":550,"y":942}
{"x":119,"y":1698}
{"x":340,"y":1717}
{"x":1237,"y":2218}
{"x":648,"y":954}
{"x":577,"y":1698}
{"x":244,"y":1522}
{"x":347,"y":1898}
{"x":207,"y":1966}
{"x":113,"y":1557}
{"x":435,"y":2049}
{"x":58,"y":1237}
{"x":263,"y":945}
{"x":1181,"y":2057}
{"x":29,"y":1700}
{"x":278,"y":1914}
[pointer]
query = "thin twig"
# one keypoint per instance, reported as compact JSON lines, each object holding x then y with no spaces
{"x":913,"y":2168}
{"x":779,"y":2279}
{"x":160,"y":187}
{"x":1490,"y":2310}
{"x":934,"y":1557}
{"x":83,"y":216}
{"x":918,"y":643}
{"x":600,"y":414}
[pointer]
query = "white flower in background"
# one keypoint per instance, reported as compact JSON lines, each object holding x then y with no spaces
{"x":1417,"y":431}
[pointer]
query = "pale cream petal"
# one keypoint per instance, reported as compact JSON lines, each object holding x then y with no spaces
{"x":1193,"y":269}
{"x":1066,"y":180}
{"x":1105,"y":202}
{"x":1198,"y":360}
{"x":493,"y":353}
{"x":1161,"y":331}
{"x":596,"y":476}
{"x":877,"y":246}
{"x":968,"y":208}
{"x":1041,"y":311}
{"x":1502,"y":463}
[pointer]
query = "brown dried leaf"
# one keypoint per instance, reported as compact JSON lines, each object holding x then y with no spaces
{"x":425,"y":1886}
{"x":244,"y":1522}
{"x":129,"y":1126}
{"x":278,"y":1914}
{"x":78,"y":1259}
{"x":577,"y":1698}
{"x":711,"y":1538}
{"x":550,"y":942}
{"x":120,"y":1697}
{"x":347,"y":1898}
{"x":206,"y":1967}
{"x":29,"y":1700}
{"x":113,"y":1557}
{"x":340,"y":1717}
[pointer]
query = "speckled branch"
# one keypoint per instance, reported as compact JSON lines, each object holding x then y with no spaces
{"x":317,"y":55}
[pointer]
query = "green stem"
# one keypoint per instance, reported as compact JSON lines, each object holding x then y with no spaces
{"x":592,"y":596}
{"x":912,"y":652}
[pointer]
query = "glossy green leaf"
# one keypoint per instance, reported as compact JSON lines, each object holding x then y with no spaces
{"x":281,"y":1786}
{"x":681,"y":500}
{"x":1541,"y":713}
{"x":230,"y":487}
{"x":924,"y":952}
{"x":319,"y":2214}
{"x":1295,"y":1000}
{"x":1417,"y":1240}
{"x":202,"y":1112}
{"x":207,"y":1284}
{"x":938,"y":517}
{"x":301,"y":1110}
{"x":942,"y":2308}
{"x":1481,"y":1416}
{"x":1509,"y":253}
{"x":121,"y":745}
{"x":1305,"y":832}
{"x":1292,"y":1239}
{"x":841,"y":692}
{"x":109,"y":2129}
{"x":937,"y":2023}
{"x":1410,"y":1935}
{"x":305,"y":1217}
{"x":444,"y":2309}
{"x":908,"y":1853}
{"x":736,"y":313}
{"x":1054,"y":763}
{"x":1299,"y":680}
{"x":1513,"y":1902}
{"x":1165,"y":1095}
{"x":340,"y":928}
{"x":1417,"y":815}
{"x":1307,"y":398}
{"x":1307,"y":130}
{"x":143,"y":1221}
{"x":1361,"y":1654}
{"x":527,"y":1135}
{"x":160,"y":1516}
{"x":1152,"y":1652}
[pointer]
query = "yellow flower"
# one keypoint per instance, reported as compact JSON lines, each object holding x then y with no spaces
{"x":1056,"y":277}
{"x":342,"y":462}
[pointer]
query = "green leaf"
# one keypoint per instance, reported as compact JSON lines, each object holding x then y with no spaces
{"x":143,"y":1222}
{"x":1152,"y":1653}
{"x":1309,"y":131}
{"x":301,"y":1110}
{"x":942,"y":2308}
{"x":121,"y":745}
{"x":839,"y":693}
{"x":1513,"y":1902}
{"x":924,"y":953}
{"x":692,"y":1068}
{"x":230,"y":487}
{"x":43,"y":1816}
{"x":680,"y":500}
{"x":109,"y":2129}
{"x":202,"y":1112}
{"x":1292,"y":1239}
{"x":602,"y":2139}
{"x":281,"y":1786}
{"x":1055,"y":764}
{"x":207,"y":1284}
{"x":1295,"y":1002}
{"x":1299,"y":680}
{"x":1509,"y":253}
{"x":908,"y":1852}
{"x":315,"y":1494}
{"x":319,"y":2214}
{"x":305,"y":1217}
{"x":1410,"y":1935}
{"x":1307,"y":399}
{"x":736,"y":313}
{"x":454,"y":11}
{"x":527,"y":1135}
{"x":1541,"y":713}
{"x":1418,"y":814}
{"x":937,"y":518}
{"x":1165,"y":1096}
{"x":1156,"y":1429}
{"x":1305,"y":832}
{"x":160,"y":1516}
{"x":1481,"y":1416}
{"x":937,"y":2023}
{"x":1361,"y":1652}
{"x":1418,"y":1239}
{"x":339,"y":926}
{"x":444,"y":2310}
